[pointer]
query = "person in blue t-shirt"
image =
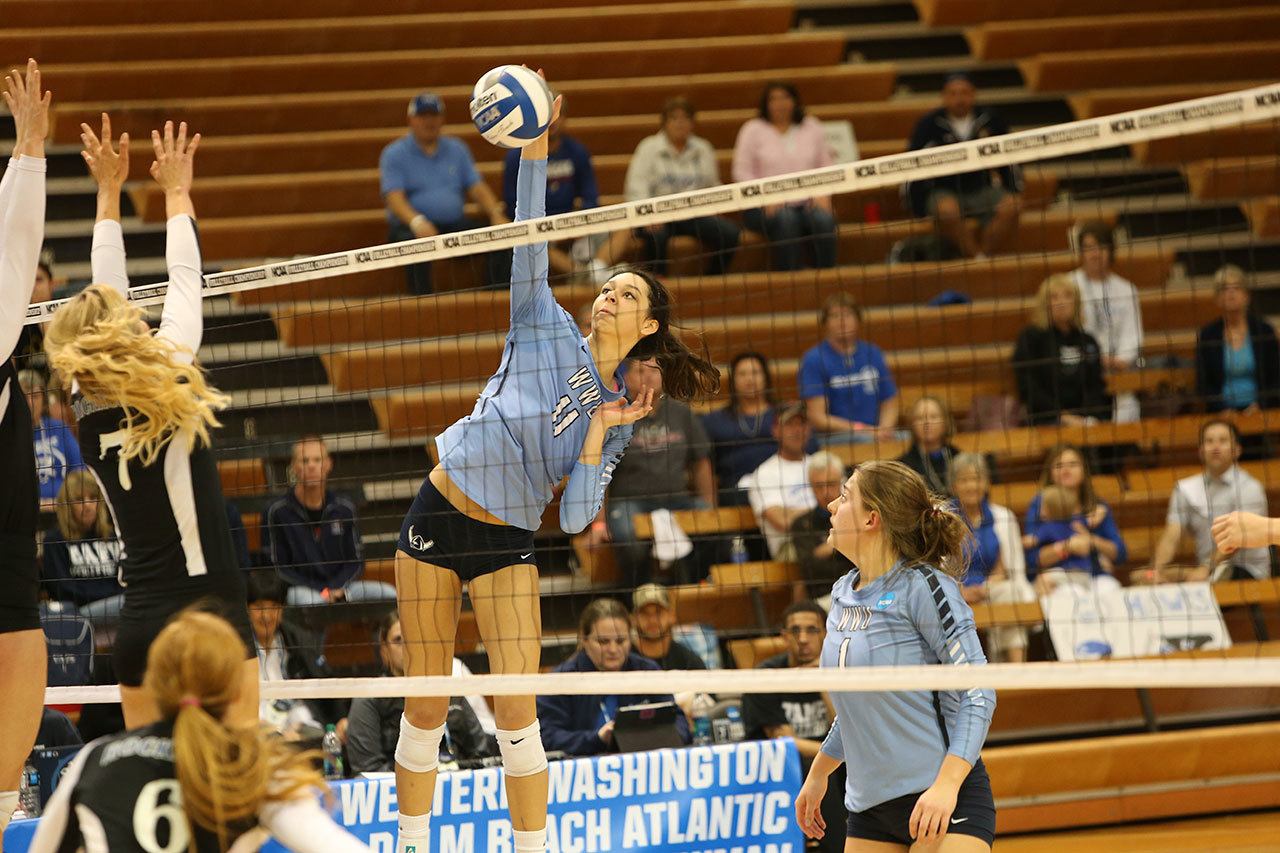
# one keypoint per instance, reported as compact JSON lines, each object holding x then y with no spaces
{"x":57,"y":451}
{"x":571,"y":185}
{"x":426,"y":180}
{"x":845,"y":381}
{"x":914,"y":771}
{"x":556,"y":408}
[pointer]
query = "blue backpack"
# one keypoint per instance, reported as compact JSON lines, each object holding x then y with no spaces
{"x":70,"y":640}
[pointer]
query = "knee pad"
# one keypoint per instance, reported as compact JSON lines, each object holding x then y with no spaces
{"x":418,"y":750}
{"x":522,"y":752}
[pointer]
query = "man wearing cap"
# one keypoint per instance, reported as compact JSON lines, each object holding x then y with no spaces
{"x":992,"y":196}
{"x":426,"y":179}
{"x":778,"y":490}
{"x":654,"y":618}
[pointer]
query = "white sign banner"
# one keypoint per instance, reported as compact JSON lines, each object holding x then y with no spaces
{"x":1142,"y":621}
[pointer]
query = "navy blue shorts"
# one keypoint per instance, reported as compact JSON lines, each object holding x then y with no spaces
{"x":890,"y":821}
{"x":438,"y":533}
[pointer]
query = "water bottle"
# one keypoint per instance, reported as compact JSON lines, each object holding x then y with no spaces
{"x":738,"y":550}
{"x":737,"y":731}
{"x":29,"y":791}
{"x":702,"y":720}
{"x":332,"y":754}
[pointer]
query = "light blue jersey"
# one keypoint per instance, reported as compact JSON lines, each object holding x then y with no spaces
{"x":894,"y":743}
{"x":528,"y":427}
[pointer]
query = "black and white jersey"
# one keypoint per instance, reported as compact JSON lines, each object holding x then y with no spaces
{"x":169,"y":514}
{"x":21,"y":232}
{"x":121,"y":795}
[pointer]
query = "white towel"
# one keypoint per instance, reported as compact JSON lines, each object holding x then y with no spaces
{"x":670,"y":543}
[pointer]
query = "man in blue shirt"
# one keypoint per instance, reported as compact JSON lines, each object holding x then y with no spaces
{"x":426,"y":179}
{"x":845,"y":382}
{"x":57,"y":451}
{"x":571,"y":185}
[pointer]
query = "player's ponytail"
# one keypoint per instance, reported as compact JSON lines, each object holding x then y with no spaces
{"x":916,"y":524}
{"x":686,"y":374}
{"x":103,"y":342}
{"x":225,"y":773}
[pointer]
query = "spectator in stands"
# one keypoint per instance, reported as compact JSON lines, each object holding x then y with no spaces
{"x":1237,"y":356}
{"x":845,"y":381}
{"x":1111,"y":310}
{"x":571,"y":185}
{"x":997,"y":570}
{"x":992,"y":196}
{"x":583,"y":725}
{"x":1222,"y":487}
{"x":1065,"y":466}
{"x":426,"y":179}
{"x":278,"y":658}
{"x":30,"y":349}
{"x":373,"y":726}
{"x":778,"y":490}
{"x":59,"y":408}
{"x":654,"y":618}
{"x":80,"y":556}
{"x":668,"y":452}
{"x":57,"y":451}
{"x":310,"y":535}
{"x":783,"y":139}
{"x":820,"y":564}
{"x":931,"y":451}
{"x":1057,"y":364}
{"x":804,"y":717}
{"x":674,"y":160}
{"x":741,"y":433}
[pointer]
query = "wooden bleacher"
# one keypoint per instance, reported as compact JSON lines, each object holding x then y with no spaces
{"x":1092,"y":103}
{"x":1251,"y":140}
{"x":949,"y":13}
{"x":1197,"y":63}
{"x":1264,"y":216}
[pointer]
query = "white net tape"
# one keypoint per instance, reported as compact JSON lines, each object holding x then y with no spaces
{"x":1202,"y":114}
{"x":1217,"y":673}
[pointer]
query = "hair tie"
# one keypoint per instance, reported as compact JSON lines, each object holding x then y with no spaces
{"x":189,"y":701}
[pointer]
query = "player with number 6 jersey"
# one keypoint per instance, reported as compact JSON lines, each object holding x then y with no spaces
{"x":556,"y":408}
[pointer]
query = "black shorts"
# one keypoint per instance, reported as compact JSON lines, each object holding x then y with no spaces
{"x":145,"y":614}
{"x":890,"y":821}
{"x":20,"y":579}
{"x":436,"y":532}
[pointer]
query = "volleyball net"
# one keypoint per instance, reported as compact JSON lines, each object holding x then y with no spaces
{"x":340,"y":382}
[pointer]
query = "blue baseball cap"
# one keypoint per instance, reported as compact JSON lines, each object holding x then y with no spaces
{"x":427,"y":102}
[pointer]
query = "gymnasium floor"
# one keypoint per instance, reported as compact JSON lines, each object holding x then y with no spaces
{"x":1258,"y":832}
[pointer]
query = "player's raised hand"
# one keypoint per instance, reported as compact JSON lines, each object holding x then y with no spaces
{"x":29,"y":104}
{"x":175,"y":158}
{"x":620,"y":413}
{"x":108,"y":165}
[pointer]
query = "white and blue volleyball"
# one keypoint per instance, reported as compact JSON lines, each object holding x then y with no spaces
{"x":511,"y":106}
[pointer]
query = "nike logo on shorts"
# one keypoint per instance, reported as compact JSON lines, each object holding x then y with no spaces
{"x":959,"y":819}
{"x":526,"y":556}
{"x":417,"y":542}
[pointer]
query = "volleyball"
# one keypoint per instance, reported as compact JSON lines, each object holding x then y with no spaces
{"x":511,"y":106}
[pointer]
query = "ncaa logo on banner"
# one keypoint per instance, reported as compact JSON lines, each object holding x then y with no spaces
{"x":986,"y":149}
{"x":751,"y":191}
{"x":544,"y":227}
{"x":452,"y":242}
{"x":865,"y":171}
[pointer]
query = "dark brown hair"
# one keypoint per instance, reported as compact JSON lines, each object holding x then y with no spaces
{"x":685,"y":374}
{"x":797,"y":114}
{"x":1235,"y":430}
{"x":770,"y":395}
{"x":677,"y":104}
{"x":840,"y":299}
{"x":601,"y":608}
{"x":1101,"y":232}
{"x":1088,"y":497}
{"x":915,"y":525}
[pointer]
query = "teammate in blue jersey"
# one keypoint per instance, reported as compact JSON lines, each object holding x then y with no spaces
{"x":914,"y":772}
{"x":556,"y":408}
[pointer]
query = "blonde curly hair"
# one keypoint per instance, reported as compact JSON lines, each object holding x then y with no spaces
{"x":102,"y":342}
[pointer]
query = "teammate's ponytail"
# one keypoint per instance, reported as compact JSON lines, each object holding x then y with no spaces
{"x":225,"y":773}
{"x":103,"y":343}
{"x":916,"y":525}
{"x":685,"y":374}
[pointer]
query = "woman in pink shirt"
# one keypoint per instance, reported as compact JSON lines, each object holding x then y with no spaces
{"x":783,"y":139}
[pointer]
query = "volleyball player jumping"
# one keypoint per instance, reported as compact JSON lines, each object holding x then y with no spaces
{"x":914,"y":775}
{"x":555,"y":408}
{"x":22,"y":650}
{"x":190,"y":782}
{"x":145,"y":411}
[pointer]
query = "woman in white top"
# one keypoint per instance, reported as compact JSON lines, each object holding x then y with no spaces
{"x":1112,"y":312}
{"x":997,"y":564}
{"x":673,"y":160}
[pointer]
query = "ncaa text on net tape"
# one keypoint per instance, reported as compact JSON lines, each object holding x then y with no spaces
{"x":1198,"y":115}
{"x":1179,"y":673}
